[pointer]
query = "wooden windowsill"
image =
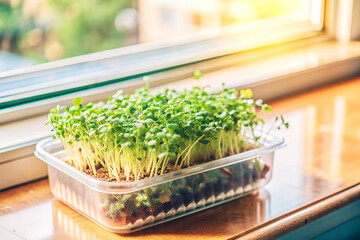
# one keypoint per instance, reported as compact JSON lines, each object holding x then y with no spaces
{"x":315,"y":174}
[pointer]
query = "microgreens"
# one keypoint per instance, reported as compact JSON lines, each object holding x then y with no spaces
{"x":145,"y":133}
{"x":197,"y":75}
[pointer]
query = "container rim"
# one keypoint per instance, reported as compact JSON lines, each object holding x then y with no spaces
{"x":270,"y":143}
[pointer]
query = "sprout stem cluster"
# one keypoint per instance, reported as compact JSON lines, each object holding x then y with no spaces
{"x":144,"y":134}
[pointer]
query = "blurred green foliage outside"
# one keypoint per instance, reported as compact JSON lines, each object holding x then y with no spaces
{"x":54,"y":29}
{"x":47,"y":30}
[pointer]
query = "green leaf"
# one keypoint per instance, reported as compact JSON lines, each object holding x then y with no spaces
{"x":246,"y":93}
{"x":149,"y":120}
{"x":152,"y":143}
{"x":127,"y":144}
{"x":138,"y":125}
{"x":197,"y":75}
{"x":172,"y":155}
{"x":200,"y":118}
{"x":173,"y":126}
{"x":77,"y":101}
{"x":176,"y":137}
{"x":259,"y":102}
{"x":100,"y":118}
{"x":103,"y":129}
{"x":148,"y":135}
{"x":161,"y":135}
{"x":267,"y":108}
{"x":162,"y":155}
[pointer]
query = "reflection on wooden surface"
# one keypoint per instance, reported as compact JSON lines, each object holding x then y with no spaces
{"x":327,"y":123}
{"x":321,"y":158}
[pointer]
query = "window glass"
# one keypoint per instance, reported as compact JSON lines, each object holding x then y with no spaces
{"x":47,"y":30}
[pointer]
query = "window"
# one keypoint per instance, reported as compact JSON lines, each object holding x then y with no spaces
{"x":55,"y":50}
{"x":50,"y":30}
{"x":144,"y":37}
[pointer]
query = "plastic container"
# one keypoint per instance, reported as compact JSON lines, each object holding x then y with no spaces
{"x":128,"y":207}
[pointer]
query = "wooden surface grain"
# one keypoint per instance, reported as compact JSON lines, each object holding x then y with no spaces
{"x":322,"y":157}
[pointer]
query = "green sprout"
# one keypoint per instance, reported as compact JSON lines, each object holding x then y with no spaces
{"x":77,"y":101}
{"x":197,"y":75}
{"x":146,"y":79}
{"x":144,"y":134}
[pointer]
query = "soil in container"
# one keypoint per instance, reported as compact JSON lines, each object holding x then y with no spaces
{"x":183,"y":194}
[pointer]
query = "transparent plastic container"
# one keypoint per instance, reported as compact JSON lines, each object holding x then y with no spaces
{"x":131,"y":206}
